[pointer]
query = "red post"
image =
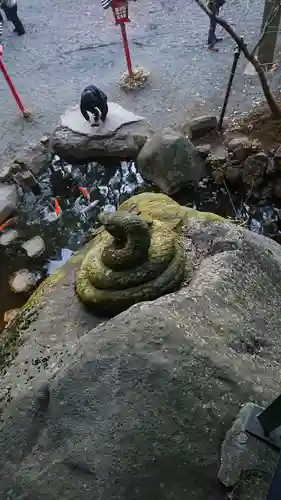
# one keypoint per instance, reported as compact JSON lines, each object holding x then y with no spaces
{"x":126,"y":49}
{"x":12,"y":87}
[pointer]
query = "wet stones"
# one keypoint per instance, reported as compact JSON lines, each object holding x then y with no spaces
{"x":8,"y":237}
{"x":34,"y":247}
{"x":23,"y":281}
{"x":202,"y":125}
{"x":204,"y":150}
{"x":215,"y":163}
{"x":10,"y":315}
{"x":35,"y":157}
{"x":45,"y":139}
{"x":240,"y":148}
{"x":171,"y":161}
{"x":8,"y":201}
{"x":27,"y":180}
{"x":254,"y":170}
{"x":241,"y":163}
{"x":8,"y":171}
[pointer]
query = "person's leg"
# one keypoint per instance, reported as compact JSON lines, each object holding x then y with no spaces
{"x":212,"y":32}
{"x":212,"y":38}
{"x":12,"y":15}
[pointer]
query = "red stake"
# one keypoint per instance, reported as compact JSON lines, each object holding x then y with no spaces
{"x":12,"y":87}
{"x":126,"y":48}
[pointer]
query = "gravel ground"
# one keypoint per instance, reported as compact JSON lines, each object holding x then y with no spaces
{"x":69,"y":45}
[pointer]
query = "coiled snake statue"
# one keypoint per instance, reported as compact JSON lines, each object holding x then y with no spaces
{"x":131,"y":261}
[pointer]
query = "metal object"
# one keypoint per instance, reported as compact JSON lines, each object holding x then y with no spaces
{"x":121,"y":11}
{"x":13,"y":88}
{"x":236,"y":56}
{"x":265,"y":424}
{"x":121,"y":15}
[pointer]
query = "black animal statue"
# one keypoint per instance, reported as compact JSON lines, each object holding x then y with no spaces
{"x":93,"y":105}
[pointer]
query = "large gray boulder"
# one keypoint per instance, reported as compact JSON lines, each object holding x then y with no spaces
{"x":8,"y":201}
{"x":122,"y":135}
{"x":171,"y":161}
{"x":141,"y":407}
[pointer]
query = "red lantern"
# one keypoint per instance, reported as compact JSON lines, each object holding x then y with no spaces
{"x":120,"y":11}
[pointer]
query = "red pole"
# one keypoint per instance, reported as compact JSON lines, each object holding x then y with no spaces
{"x":126,"y":48}
{"x":12,"y":87}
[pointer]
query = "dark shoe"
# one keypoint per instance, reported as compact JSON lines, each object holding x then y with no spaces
{"x":20,"y":32}
{"x":212,"y":48}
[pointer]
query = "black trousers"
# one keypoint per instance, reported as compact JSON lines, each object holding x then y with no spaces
{"x":212,"y":29}
{"x":12,"y":15}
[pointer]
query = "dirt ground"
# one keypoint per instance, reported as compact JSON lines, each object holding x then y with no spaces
{"x":69,"y":45}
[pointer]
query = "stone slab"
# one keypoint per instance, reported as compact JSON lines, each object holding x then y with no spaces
{"x":34,"y":247}
{"x":117,"y":117}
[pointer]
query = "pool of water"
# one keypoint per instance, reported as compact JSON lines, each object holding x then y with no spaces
{"x":107,"y":186}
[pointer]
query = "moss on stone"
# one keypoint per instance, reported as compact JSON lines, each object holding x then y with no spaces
{"x":161,"y":207}
{"x":26,"y":316}
{"x":151,"y":206}
{"x":151,"y":263}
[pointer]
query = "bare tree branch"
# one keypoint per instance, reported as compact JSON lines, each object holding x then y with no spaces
{"x":272,"y":103}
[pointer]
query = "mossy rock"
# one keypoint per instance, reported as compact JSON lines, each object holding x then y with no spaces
{"x":45,"y":301}
{"x":106,"y":289}
{"x":159,"y":206}
{"x":134,"y":260}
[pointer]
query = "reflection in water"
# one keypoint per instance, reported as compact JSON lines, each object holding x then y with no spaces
{"x":107,"y":186}
{"x":54,"y":264}
{"x":262,"y":219}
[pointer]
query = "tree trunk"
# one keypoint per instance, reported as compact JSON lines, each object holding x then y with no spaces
{"x":270,"y":99}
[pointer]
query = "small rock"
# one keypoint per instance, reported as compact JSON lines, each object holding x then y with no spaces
{"x":233,"y":173}
{"x":35,"y":158}
{"x":8,"y":237}
{"x":240,"y":148}
{"x":10,"y":315}
{"x":201,"y":126}
{"x":8,"y":201}
{"x":7,"y":172}
{"x":34,"y":247}
{"x":171,"y":161}
{"x":216,"y":162}
{"x":27,"y":180}
{"x":22,"y":281}
{"x":45,"y":139}
{"x":204,"y":150}
{"x":254,"y":170}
